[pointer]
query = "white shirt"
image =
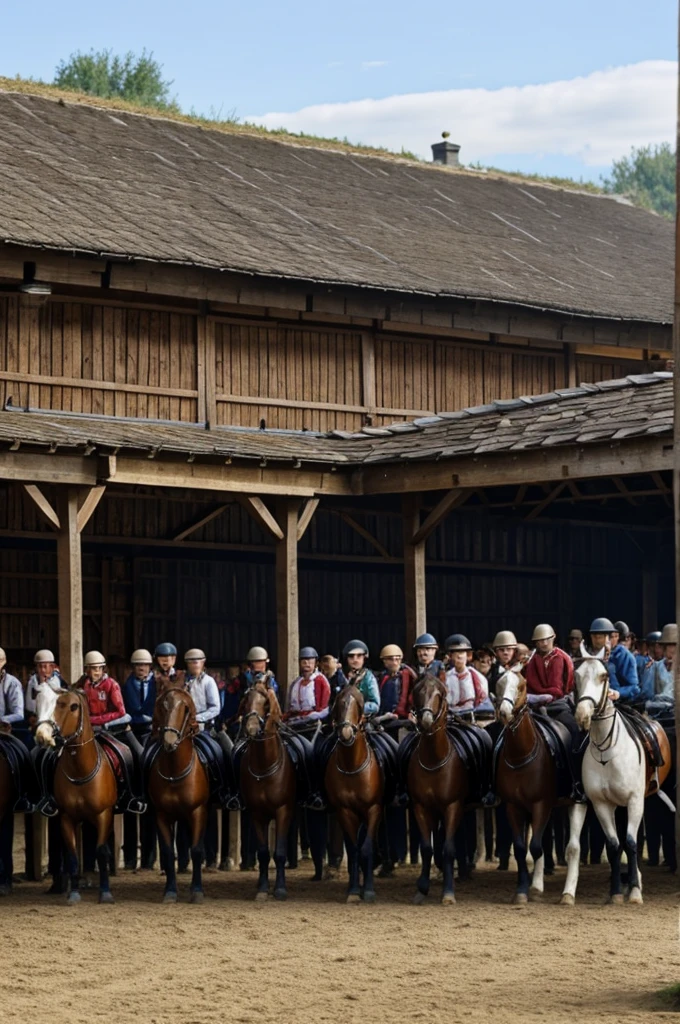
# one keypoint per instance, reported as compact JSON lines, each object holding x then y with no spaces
{"x":55,"y":681}
{"x":302,"y":698}
{"x":205,"y":695}
{"x":460,"y":688}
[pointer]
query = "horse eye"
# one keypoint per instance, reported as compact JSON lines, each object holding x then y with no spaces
{"x":74,"y":707}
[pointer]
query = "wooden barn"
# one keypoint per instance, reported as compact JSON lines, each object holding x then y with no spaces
{"x":255,"y":390}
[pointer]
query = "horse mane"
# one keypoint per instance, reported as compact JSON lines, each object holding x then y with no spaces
{"x":430,"y":679}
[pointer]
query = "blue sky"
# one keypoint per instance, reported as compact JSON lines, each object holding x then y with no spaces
{"x":304,"y":64}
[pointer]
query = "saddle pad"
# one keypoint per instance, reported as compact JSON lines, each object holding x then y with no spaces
{"x":474,"y":747}
{"x":558,"y":741}
{"x":114,"y":757}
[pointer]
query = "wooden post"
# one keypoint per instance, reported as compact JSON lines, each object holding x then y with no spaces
{"x":70,"y":584}
{"x":676,"y":446}
{"x":650,"y":608}
{"x":414,"y":570}
{"x":287,"y":613}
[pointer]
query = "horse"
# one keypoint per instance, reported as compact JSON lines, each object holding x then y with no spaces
{"x":268,"y":783}
{"x":527,"y":780}
{"x":178,"y":786}
{"x":615,"y":774}
{"x":438,"y":783}
{"x":85,"y":787}
{"x":8,"y":796}
{"x":355,"y":787}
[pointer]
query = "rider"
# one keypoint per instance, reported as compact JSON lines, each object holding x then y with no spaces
{"x":202,"y":689}
{"x":646,"y":663}
{"x":139,"y":697}
{"x":466,"y":688}
{"x":166,"y":674}
{"x":625,"y":635}
{"x":604,"y":639}
{"x":11,"y":698}
{"x":355,"y":655}
{"x":107,"y":711}
{"x":663,"y":669}
{"x":395,"y":683}
{"x":310,"y":693}
{"x":426,"y":648}
{"x":574,"y":641}
{"x":46,"y":671}
{"x":331,"y":668}
{"x":505,"y":649}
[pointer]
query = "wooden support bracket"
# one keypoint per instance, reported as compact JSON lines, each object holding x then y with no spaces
{"x":456,"y":496}
{"x":261,"y":514}
{"x":363,"y":532}
{"x":202,"y":521}
{"x":550,"y":497}
{"x":88,"y":505}
{"x":43,"y":505}
{"x":306,"y":515}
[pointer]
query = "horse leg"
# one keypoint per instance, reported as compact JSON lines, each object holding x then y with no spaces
{"x":104,"y":824}
{"x":453,"y":816}
{"x":606,"y":815}
{"x":197,"y":824}
{"x":6,"y":843}
{"x":68,"y":835}
{"x":517,"y":819}
{"x":284,"y":815}
{"x":261,"y":831}
{"x":350,"y":827}
{"x":540,"y":821}
{"x":167,"y":851}
{"x":317,"y":831}
{"x":635,"y":812}
{"x":577,"y":816}
{"x":425,"y":822}
{"x":374,"y":815}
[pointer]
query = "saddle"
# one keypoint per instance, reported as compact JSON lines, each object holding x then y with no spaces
{"x":16,"y":755}
{"x":210,"y":755}
{"x":122,"y":762}
{"x":650,"y":735}
{"x":557,"y":738}
{"x":474,"y":747}
{"x":386,"y":753}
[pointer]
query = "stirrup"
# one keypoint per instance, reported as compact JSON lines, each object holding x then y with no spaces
{"x":232,"y":802}
{"x":47,"y":807}
{"x":490,"y":799}
{"x":315,"y":802}
{"x":136,"y":805}
{"x":24,"y":806}
{"x":577,"y":794}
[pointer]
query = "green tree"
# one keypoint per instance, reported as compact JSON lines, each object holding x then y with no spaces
{"x":131,"y":77}
{"x":648,"y":177}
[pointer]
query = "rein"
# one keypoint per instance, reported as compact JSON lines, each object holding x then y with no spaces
{"x":70,"y":741}
{"x":439,"y":718}
{"x":512,"y":728}
{"x":181,"y":737}
{"x":272,"y":770}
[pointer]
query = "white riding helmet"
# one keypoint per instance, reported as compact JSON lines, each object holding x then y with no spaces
{"x":504,"y":639}
{"x":94,"y":659}
{"x":141,"y":657}
{"x":257,"y":654}
{"x":194,"y":654}
{"x":392,"y":651}
{"x":669,"y":634}
{"x":44,"y":655}
{"x":543,"y":632}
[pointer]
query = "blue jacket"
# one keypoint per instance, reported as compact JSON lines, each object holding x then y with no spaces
{"x":646,"y":674}
{"x":138,"y":707}
{"x":623,"y":673}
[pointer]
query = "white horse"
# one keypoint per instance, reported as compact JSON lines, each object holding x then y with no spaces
{"x":614,"y":775}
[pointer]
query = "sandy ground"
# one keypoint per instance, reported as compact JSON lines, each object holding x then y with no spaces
{"x":315,"y":959}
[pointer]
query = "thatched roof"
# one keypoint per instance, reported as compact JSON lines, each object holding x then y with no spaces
{"x":83,"y":178}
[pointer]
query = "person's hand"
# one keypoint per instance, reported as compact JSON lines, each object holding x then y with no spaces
{"x":613,"y":694}
{"x":5,"y":727}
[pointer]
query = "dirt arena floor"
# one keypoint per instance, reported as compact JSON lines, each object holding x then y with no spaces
{"x":314,"y":959}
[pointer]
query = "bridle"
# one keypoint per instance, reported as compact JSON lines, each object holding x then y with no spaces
{"x":519,"y":714}
{"x":62,"y":742}
{"x":438,"y":723}
{"x":179,"y":733}
{"x":599,"y":708}
{"x":354,"y":726}
{"x":261,"y":737}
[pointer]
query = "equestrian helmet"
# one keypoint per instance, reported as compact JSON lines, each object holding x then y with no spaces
{"x":392,"y":651}
{"x":257,"y":654}
{"x":458,"y":642}
{"x":165,"y":650}
{"x":43,"y":656}
{"x":602,"y":625}
{"x":308,"y":652}
{"x":622,"y":629}
{"x":669,"y":633}
{"x":93,"y":659}
{"x":543,"y":632}
{"x":194,"y":654}
{"x":354,"y":647}
{"x":425,"y":640}
{"x":141,"y":657}
{"x":654,"y":637}
{"x":505,"y":638}
{"x":576,"y":634}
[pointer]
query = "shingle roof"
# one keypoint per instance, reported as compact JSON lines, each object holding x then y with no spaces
{"x":77,"y":177}
{"x":614,"y":410}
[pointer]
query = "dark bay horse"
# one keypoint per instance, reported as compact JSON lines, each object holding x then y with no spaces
{"x":355,"y":787}
{"x":526,"y":779}
{"x":178,"y":785}
{"x":437,"y":781}
{"x":268,"y":782}
{"x":85,"y":787}
{"x":8,"y":796}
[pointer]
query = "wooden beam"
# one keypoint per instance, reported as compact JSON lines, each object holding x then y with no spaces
{"x":537,"y":509}
{"x":663,"y":488}
{"x":43,"y":505}
{"x":69,"y":585}
{"x":621,"y":487}
{"x":201,"y":411}
{"x":207,"y":517}
{"x":256,"y":508}
{"x":306,"y":515}
{"x":287,"y":613}
{"x":89,"y":504}
{"x":362,"y":531}
{"x":414,"y":570}
{"x":368,"y":392}
{"x":210,"y":374}
{"x":451,"y":500}
{"x":48,"y":469}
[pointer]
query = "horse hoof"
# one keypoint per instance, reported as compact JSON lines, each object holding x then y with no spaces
{"x":170,"y":897}
{"x":73,"y":898}
{"x":520,"y":898}
{"x":535,"y":895}
{"x":567,"y":900}
{"x":615,"y":900}
{"x":635,"y":896}
{"x":448,"y":899}
{"x":280,"y":894}
{"x":196,"y":897}
{"x":353,"y":897}
{"x":262,"y":896}
{"x":105,"y":897}
{"x":369,"y":897}
{"x":419,"y":899}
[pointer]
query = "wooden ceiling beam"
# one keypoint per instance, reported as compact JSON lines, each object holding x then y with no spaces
{"x":622,"y":489}
{"x":363,"y":532}
{"x":452,"y":499}
{"x":256,"y":508}
{"x":542,"y":505}
{"x":203,"y":520}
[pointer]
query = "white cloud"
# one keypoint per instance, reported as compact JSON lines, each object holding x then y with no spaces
{"x":373,"y":64}
{"x":594,"y":119}
{"x":335,"y":64}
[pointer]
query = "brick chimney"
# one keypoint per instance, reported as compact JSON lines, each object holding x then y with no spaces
{"x":446,"y":152}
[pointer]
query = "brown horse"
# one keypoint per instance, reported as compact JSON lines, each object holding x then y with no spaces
{"x":355,"y":788}
{"x":437,"y":781}
{"x":179,"y":787}
{"x":526,"y":779}
{"x":8,"y":796}
{"x":268,"y":782}
{"x":85,"y":787}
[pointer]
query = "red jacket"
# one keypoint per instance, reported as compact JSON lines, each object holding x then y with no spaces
{"x":104,"y":699}
{"x":552,"y":673}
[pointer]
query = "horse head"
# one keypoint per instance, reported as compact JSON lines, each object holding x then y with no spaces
{"x":175,"y":714}
{"x":348,"y":714}
{"x":61,"y":715}
{"x":591,"y":687}
{"x":511,"y":695}
{"x":429,"y":702}
{"x":261,"y":710}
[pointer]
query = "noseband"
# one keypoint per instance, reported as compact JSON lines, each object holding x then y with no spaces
{"x":419,"y":712}
{"x":59,"y":739}
{"x":598,"y":706}
{"x":354,"y":726}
